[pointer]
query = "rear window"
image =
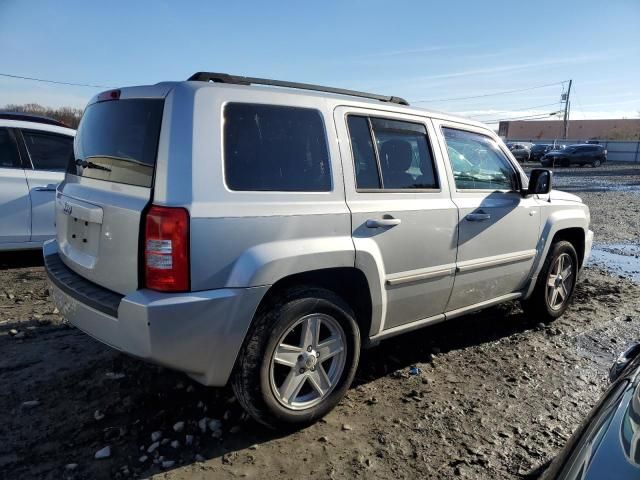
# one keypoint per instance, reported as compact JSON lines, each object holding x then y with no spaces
{"x":117,"y":141}
{"x":275,"y":148}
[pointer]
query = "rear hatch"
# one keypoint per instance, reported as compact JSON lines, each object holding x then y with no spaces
{"x":101,"y":203}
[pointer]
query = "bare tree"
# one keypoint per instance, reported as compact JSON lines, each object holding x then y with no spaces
{"x":68,"y":115}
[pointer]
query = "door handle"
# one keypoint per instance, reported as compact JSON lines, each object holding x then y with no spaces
{"x":384,"y":222}
{"x":478,"y":217}
{"x":45,"y":189}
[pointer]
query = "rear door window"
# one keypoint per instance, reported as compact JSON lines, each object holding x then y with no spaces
{"x":364,"y":154}
{"x":9,"y":157}
{"x":117,"y":141}
{"x":48,"y":151}
{"x":275,"y":148}
{"x":399,"y":159}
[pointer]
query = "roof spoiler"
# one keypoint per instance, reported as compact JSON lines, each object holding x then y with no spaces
{"x":238,"y":80}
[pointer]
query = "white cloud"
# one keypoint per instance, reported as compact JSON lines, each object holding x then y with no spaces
{"x":411,"y":51}
{"x":492,"y":116}
{"x":512,"y":68}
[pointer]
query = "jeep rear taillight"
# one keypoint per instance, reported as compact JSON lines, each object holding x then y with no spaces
{"x":166,"y":249}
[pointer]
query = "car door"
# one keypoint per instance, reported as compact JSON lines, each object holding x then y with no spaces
{"x":590,"y":154}
{"x":15,"y":208}
{"x":48,"y":154}
{"x":498,"y":228}
{"x":403,"y":219}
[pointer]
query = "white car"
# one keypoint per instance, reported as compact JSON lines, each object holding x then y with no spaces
{"x":34,"y":153}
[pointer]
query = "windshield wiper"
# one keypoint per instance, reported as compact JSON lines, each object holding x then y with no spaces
{"x":85,"y":164}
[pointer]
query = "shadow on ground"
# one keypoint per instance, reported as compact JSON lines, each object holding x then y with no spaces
{"x":20,"y":259}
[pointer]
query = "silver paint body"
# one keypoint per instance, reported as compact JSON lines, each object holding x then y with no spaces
{"x":432,"y":266}
{"x":27,"y":197}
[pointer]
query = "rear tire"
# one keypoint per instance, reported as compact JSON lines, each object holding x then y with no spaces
{"x":556,"y":283}
{"x":298,"y":359}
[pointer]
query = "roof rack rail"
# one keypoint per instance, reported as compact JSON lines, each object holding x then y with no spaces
{"x":238,"y":80}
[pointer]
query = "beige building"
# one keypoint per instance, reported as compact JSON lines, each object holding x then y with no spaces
{"x":610,"y":129}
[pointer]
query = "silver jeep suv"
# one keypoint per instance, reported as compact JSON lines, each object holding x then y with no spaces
{"x":261,"y":232}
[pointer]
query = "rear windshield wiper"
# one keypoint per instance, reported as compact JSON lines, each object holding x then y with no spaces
{"x":85,"y":164}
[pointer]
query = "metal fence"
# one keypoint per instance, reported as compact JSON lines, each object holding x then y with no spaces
{"x":618,"y":150}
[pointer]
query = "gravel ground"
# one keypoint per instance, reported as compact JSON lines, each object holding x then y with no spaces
{"x":496,"y":395}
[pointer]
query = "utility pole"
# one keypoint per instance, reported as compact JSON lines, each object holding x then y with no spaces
{"x":566,"y":110}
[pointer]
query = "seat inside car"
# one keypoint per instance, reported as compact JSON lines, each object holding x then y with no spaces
{"x":396,"y":157}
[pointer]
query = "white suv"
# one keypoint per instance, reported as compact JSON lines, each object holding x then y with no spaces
{"x":34,"y":153}
{"x":258,"y":235}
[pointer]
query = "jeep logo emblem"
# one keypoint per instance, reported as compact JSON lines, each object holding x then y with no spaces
{"x":67,"y":208}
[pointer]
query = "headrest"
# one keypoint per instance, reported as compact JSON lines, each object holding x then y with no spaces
{"x":396,"y":155}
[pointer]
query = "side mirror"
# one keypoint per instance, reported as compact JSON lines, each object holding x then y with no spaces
{"x":623,"y":360}
{"x":539,"y":182}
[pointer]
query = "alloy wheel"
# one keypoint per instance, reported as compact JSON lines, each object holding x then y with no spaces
{"x":308,"y":361}
{"x":560,"y":281}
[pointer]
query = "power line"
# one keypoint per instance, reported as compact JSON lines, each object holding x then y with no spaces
{"x":52,"y":81}
{"x":529,"y":117}
{"x":489,"y":94}
{"x":516,"y":110}
{"x":578,"y":101}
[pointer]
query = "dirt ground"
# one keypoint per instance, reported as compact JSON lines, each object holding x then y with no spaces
{"x":496,"y":396}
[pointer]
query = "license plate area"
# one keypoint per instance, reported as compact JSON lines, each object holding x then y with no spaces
{"x":83,"y":236}
{"x":79,"y":226}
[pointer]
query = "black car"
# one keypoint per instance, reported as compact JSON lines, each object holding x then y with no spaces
{"x":538,"y":151}
{"x":583,"y":154}
{"x":520,"y":151}
{"x":607,"y":444}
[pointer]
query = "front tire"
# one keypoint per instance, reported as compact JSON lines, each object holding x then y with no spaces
{"x":556,"y":284}
{"x":596,"y":163}
{"x":298,"y":359}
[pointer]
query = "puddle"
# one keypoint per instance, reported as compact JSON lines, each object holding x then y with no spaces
{"x":619,"y":258}
{"x":632,"y":188}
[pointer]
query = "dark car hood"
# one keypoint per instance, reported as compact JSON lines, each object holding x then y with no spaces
{"x":607,"y":445}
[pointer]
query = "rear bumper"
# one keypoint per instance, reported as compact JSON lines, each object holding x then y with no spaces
{"x":199,"y":333}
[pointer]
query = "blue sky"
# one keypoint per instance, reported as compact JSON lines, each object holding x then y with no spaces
{"x":415,"y":49}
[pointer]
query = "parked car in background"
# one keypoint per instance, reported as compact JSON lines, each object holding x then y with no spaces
{"x":582,"y":154}
{"x":607,"y":444}
{"x":261,"y":236}
{"x":34,"y":152}
{"x":538,"y":150}
{"x":520,"y":151}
